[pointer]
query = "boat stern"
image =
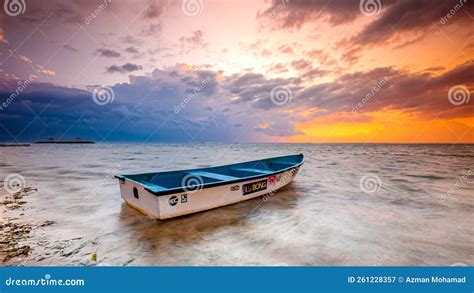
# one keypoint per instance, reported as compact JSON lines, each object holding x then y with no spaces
{"x":138,"y":197}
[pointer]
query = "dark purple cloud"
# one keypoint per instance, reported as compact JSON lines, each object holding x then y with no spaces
{"x":171,"y":104}
{"x":131,"y":50}
{"x":295,"y":13}
{"x":395,"y":15}
{"x":409,"y":16}
{"x":174,"y":104}
{"x":395,"y":18}
{"x":386,"y":87}
{"x":71,"y":48}
{"x":104,"y":52}
{"x":126,"y":68}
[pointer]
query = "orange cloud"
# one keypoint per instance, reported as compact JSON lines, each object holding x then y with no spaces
{"x":3,"y":39}
{"x":25,"y":59}
{"x":45,"y":70}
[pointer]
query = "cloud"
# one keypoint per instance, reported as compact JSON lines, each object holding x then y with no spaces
{"x":45,"y":71}
{"x":278,"y":68}
{"x":286,"y":49}
{"x":128,"y":67}
{"x":131,"y":50}
{"x":132,"y":40}
{"x":70,"y":48}
{"x":385,"y":87}
{"x":410,"y":16}
{"x":24,"y":58}
{"x":151,"y":29}
{"x":196,"y":39}
{"x":179,"y":104}
{"x":154,"y":10}
{"x":193,"y":42}
{"x":294,"y":14}
{"x":104,"y":52}
{"x":313,"y":73}
{"x":301,"y":64}
{"x":185,"y":103}
{"x":420,"y":93}
{"x":396,"y":21}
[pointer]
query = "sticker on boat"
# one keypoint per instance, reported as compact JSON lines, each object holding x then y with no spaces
{"x":271,"y":181}
{"x":254,"y":187}
{"x":173,"y":200}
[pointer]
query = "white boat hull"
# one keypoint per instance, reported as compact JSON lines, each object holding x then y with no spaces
{"x":183,"y":203}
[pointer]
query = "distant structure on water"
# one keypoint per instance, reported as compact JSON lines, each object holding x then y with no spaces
{"x":14,"y":144}
{"x":76,"y":141}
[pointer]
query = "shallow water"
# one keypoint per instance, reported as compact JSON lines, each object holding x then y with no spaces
{"x":421,"y":213}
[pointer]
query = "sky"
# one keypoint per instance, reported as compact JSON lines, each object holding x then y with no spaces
{"x":191,"y":71}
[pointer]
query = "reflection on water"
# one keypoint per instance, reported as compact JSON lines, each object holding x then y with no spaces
{"x":420,"y":213}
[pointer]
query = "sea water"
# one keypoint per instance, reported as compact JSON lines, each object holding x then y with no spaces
{"x":351,"y":204}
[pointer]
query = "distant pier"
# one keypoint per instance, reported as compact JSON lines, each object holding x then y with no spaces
{"x":76,"y":141}
{"x":14,"y":144}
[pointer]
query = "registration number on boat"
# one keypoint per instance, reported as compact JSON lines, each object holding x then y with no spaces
{"x":254,"y":187}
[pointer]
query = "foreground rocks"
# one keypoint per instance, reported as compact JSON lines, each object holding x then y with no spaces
{"x":14,"y":234}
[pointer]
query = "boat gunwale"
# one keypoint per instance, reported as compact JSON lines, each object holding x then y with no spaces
{"x":211,"y":184}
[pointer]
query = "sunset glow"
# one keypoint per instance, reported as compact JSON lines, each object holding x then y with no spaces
{"x":245,"y":71}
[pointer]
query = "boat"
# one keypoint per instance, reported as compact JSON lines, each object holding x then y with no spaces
{"x":164,"y":195}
